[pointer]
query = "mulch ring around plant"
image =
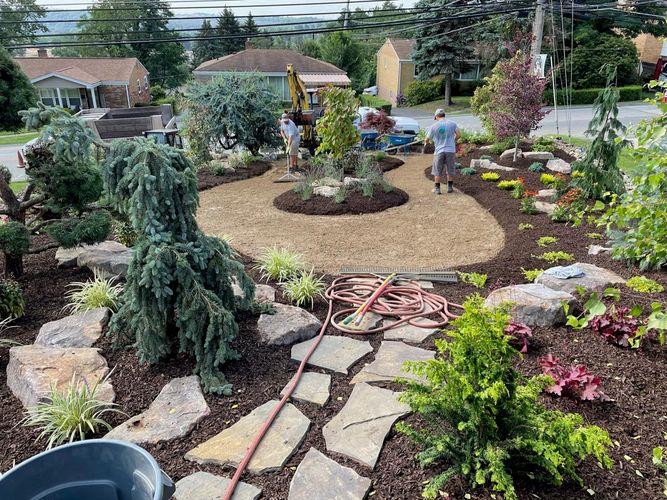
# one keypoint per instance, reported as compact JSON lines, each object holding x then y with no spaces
{"x":354,"y":204}
{"x":206,"y":179}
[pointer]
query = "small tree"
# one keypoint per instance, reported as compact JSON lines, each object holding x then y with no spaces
{"x":480,"y":103}
{"x":179,"y":286}
{"x":16,"y":92}
{"x":600,"y":165}
{"x":336,"y":128}
{"x":518,"y":100}
{"x":378,"y":121}
{"x":231,"y":110}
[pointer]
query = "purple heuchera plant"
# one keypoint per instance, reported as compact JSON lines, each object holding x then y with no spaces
{"x":576,"y":381}
{"x":616,"y":325}
{"x":520,"y":334}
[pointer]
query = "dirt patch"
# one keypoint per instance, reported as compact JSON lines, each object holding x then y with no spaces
{"x":206,"y":179}
{"x":355,"y":203}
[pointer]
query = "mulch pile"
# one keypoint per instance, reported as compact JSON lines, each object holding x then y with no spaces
{"x":633,"y":379}
{"x":207,"y":180}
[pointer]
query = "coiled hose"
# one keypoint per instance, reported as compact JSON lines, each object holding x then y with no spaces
{"x":409,"y":302}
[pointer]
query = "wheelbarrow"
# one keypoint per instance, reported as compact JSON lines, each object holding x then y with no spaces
{"x":369,"y":139}
{"x":399,"y":142}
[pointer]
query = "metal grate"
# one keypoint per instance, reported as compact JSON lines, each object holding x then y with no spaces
{"x":421,"y":273}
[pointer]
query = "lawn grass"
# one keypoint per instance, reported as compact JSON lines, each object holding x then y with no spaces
{"x":18,"y":186}
{"x":6,"y":139}
{"x":626,"y":162}
{"x":460,"y":104}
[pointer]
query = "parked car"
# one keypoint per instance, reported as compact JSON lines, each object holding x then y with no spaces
{"x":403,"y":125}
{"x":371,"y":90}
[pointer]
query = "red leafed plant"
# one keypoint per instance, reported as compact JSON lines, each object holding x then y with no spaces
{"x":530,"y":194}
{"x":378,"y":121}
{"x":575,"y":382}
{"x":520,"y":334}
{"x":570,"y":197}
{"x":616,"y":325}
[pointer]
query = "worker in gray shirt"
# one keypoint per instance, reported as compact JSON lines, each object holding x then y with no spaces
{"x":443,"y":134}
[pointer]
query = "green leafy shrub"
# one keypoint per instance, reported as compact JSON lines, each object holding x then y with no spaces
{"x":303,"y":288}
{"x":124,"y":233}
{"x":481,"y":417}
{"x":336,"y":128}
{"x":531,"y":274}
{"x":14,"y":242}
{"x":341,"y":195}
{"x":70,"y":415}
{"x":509,"y":185}
{"x":536,"y":167}
{"x":475,"y":279}
{"x":500,"y":147}
{"x":528,"y":206}
{"x":279,"y":264}
{"x":547,"y":179}
{"x":490,"y":176}
{"x":643,"y":284}
{"x":525,"y":227}
{"x":88,"y":229}
{"x":91,"y":294}
{"x":544,"y":144}
{"x":518,"y":191}
{"x":588,"y":96}
{"x":468,"y":171}
{"x":560,"y":214}
{"x":545,"y":241}
{"x":380,"y":155}
{"x":376,"y":102}
{"x":594,"y":236}
{"x":421,"y":91}
{"x":473,"y":137}
{"x":12,"y":305}
{"x":555,"y":257}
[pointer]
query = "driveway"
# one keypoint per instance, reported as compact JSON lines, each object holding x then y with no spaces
{"x":573,"y":122}
{"x":9,"y":159}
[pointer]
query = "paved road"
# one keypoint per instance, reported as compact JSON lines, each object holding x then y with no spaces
{"x":8,"y":157}
{"x":574,"y":122}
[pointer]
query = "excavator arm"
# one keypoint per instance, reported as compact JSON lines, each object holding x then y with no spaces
{"x":297,"y":90}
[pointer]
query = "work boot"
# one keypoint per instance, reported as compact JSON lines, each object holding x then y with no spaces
{"x":436,"y":190}
{"x":450,"y":188}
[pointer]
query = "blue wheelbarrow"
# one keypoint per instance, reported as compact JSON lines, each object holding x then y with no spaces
{"x":369,"y":140}
{"x":399,"y":142}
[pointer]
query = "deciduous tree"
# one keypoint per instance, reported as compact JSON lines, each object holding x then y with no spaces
{"x":20,"y":21}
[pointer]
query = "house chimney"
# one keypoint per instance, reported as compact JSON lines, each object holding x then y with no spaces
{"x":42,"y":53}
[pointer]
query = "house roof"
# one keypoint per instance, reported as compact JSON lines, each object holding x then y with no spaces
{"x":402,"y":47}
{"x":320,"y":79}
{"x":269,"y":61}
{"x":88,"y":70}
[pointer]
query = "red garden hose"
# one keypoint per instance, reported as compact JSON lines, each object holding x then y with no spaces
{"x":408,"y":302}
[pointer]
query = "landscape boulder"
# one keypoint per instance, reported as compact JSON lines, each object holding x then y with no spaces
{"x":110,"y":257}
{"x":327,"y":181}
{"x":326,"y":191}
{"x":538,"y":155}
{"x":288,"y":325}
{"x":533,"y":304}
{"x":595,"y":279}
{"x":509,"y":153}
{"x":352,"y":182}
{"x":559,"y":165}
{"x":545,"y":207}
{"x":78,"y":330}
{"x":547,"y":194}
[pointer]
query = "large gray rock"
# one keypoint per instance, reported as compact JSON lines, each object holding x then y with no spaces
{"x":79,"y":330}
{"x":206,"y":486}
{"x":489,"y":165}
{"x":67,"y":257}
{"x":533,"y":304}
{"x":545,"y":207}
{"x":559,"y":165}
{"x":547,"y":194}
{"x":32,"y":369}
{"x":538,"y":155}
{"x":289,"y":324}
{"x":333,"y":352}
{"x":328,"y":181}
{"x":110,"y":257}
{"x":389,"y":361}
{"x":509,"y":153}
{"x":359,"y":429}
{"x":408,"y":332}
{"x":326,"y":191}
{"x":264,"y":294}
{"x":279,"y":444}
{"x":595,"y":279}
{"x":598,"y":249}
{"x":312,"y":387}
{"x":173,"y":414}
{"x":320,"y":478}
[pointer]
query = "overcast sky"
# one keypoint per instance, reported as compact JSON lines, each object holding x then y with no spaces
{"x":239,"y":7}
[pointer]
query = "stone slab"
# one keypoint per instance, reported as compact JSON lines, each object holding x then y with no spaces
{"x":289,"y":324}
{"x":206,"y":486}
{"x":369,"y":321}
{"x":533,"y":304}
{"x":173,"y":414}
{"x":389,"y":361}
{"x":32,"y":369}
{"x":319,"y":478}
{"x":596,"y":279}
{"x":312,"y":387}
{"x":79,"y":330}
{"x":425,"y":285}
{"x":280,"y":442}
{"x":110,"y":257}
{"x":559,"y":165}
{"x":408,"y":332}
{"x":334,"y":352}
{"x":358,"y":431}
{"x":538,"y":155}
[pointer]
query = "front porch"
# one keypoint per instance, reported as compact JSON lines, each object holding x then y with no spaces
{"x":72,"y":98}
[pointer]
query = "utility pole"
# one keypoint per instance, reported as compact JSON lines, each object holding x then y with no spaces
{"x":346,"y":22}
{"x":538,"y":30}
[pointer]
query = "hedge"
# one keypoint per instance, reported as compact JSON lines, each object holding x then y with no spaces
{"x":588,"y":96}
{"x":421,"y":91}
{"x":372,"y":101}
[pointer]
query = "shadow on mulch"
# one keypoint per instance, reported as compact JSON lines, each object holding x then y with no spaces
{"x":207,"y":180}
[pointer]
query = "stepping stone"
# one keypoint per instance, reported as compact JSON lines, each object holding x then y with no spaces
{"x":110,"y":257}
{"x":425,"y":285}
{"x":545,"y":207}
{"x":312,"y":387}
{"x":389,"y":361}
{"x":533,"y":304}
{"x":319,"y":478}
{"x":280,"y":442}
{"x":369,"y":322}
{"x":334,"y":352}
{"x":173,"y":414}
{"x":547,"y":194}
{"x":32,"y":369}
{"x":359,"y":429}
{"x":288,"y":325}
{"x":538,"y":155}
{"x":206,"y":486}
{"x":408,"y":332}
{"x":79,"y":330}
{"x":559,"y":165}
{"x":595,"y":279}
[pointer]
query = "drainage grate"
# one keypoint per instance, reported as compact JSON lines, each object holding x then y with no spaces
{"x":420,"y":273}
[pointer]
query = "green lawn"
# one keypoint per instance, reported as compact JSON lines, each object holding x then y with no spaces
{"x":6,"y":139}
{"x":626,"y":162}
{"x":18,"y":186}
{"x":461,"y":104}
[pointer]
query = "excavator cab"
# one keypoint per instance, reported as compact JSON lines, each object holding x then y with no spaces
{"x":303,"y":113}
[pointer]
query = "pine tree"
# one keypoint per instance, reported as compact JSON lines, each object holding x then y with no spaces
{"x":204,"y":50}
{"x":228,"y":26}
{"x":599,"y":167}
{"x":250,"y":26}
{"x":179,"y":285}
{"x":16,"y":92}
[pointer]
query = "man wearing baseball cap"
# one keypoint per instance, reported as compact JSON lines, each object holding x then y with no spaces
{"x":443,"y":134}
{"x":290,"y":133}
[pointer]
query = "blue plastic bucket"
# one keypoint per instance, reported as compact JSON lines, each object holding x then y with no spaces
{"x":97,"y":469}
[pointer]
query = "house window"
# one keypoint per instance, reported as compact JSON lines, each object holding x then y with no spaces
{"x":471,"y":74}
{"x":138,"y":86}
{"x":48,"y":97}
{"x":71,"y":98}
{"x":146,"y":82}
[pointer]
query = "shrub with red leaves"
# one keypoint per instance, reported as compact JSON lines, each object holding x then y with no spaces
{"x":378,"y":121}
{"x":572,"y":196}
{"x":520,"y":334}
{"x":616,"y":325}
{"x":575,"y":382}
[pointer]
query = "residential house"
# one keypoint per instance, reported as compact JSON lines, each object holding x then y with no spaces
{"x":87,"y":82}
{"x":650,"y":50}
{"x":272,"y":64}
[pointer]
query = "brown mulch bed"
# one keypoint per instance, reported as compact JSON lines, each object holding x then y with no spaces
{"x":355,"y":203}
{"x":207,"y":179}
{"x":390,"y":163}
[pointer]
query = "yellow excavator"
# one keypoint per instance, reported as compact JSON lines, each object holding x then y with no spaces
{"x":303,"y":113}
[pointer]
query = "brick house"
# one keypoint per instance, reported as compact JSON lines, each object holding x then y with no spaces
{"x":87,"y":82}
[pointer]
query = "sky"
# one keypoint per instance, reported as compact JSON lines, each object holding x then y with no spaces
{"x":240,"y":7}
